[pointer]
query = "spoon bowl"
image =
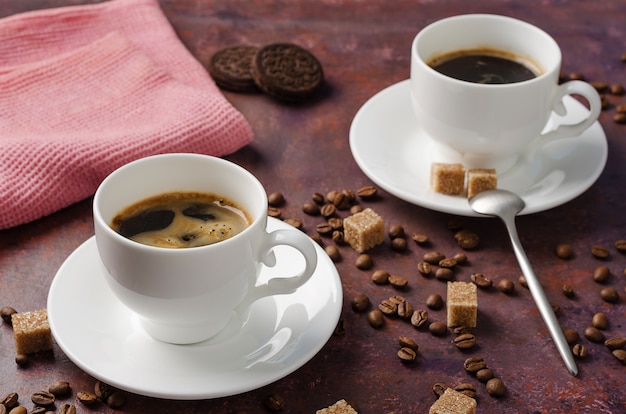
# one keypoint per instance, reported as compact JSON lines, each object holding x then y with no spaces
{"x":506,"y":205}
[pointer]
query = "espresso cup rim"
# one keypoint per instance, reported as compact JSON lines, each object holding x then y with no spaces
{"x":257,"y":219}
{"x":417,"y":57}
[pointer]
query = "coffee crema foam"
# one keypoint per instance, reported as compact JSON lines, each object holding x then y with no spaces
{"x":181,"y":220}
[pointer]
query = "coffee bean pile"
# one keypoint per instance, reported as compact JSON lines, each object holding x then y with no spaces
{"x":439,"y":266}
{"x":44,"y":401}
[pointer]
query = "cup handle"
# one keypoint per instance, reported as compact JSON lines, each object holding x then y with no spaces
{"x":283,"y":285}
{"x":583,"y":89}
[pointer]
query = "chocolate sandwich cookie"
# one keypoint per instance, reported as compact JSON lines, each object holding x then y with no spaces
{"x":230,"y":67}
{"x":287,"y":72}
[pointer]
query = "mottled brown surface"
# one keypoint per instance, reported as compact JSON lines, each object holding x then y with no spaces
{"x":363,"y":47}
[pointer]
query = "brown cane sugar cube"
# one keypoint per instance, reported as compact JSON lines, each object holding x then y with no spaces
{"x":447,"y":179}
{"x":453,"y":402}
{"x":31,"y":331}
{"x":481,"y":179}
{"x":340,"y":407}
{"x":364,"y":230}
{"x":462,"y":304}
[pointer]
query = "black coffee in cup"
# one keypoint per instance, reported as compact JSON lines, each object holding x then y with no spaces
{"x":486,"y":66}
{"x":181,"y":219}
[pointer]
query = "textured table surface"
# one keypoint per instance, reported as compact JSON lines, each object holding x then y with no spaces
{"x":302,"y":149}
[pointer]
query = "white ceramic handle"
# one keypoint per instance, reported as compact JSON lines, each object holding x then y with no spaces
{"x":583,"y":89}
{"x":284,"y":285}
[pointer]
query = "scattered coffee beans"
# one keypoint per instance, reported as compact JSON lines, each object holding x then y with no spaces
{"x":407,"y":342}
{"x":6,"y":313}
{"x":10,"y":400}
{"x":60,"y":389}
{"x":360,"y":303}
{"x":564,"y":251}
{"x":600,"y":252}
{"x":375,"y":318}
{"x":388,"y":307}
{"x":311,"y":208}
{"x":439,"y":388}
{"x":467,"y":389}
{"x":466,"y":239}
{"x":506,"y":286}
{"x":580,"y":351}
{"x":481,"y":280}
{"x":318,"y":198}
{"x":571,"y":336}
{"x":615,"y":343}
{"x":601,"y":274}
{"x":398,"y":282}
{"x":87,"y":398}
{"x":367,"y":192}
{"x":22,"y":360}
{"x":116,"y":400}
{"x":424,"y":268}
{"x":522,"y":281}
{"x":399,"y":244}
{"x":465,"y":341}
{"x":380,"y":277}
{"x":364,"y":261}
{"x":610,"y":295}
{"x":474,"y":364}
{"x":433,"y":258}
{"x":396,"y":231}
{"x":274,"y":402}
{"x":68,"y":409}
{"x":276,"y":199}
{"x":407,"y":354}
{"x":620,"y":355}
{"x":594,"y":334}
{"x":600,"y":321}
{"x":421,"y":239}
{"x":438,"y":328}
{"x":444,"y":274}
{"x":333,"y":253}
{"x":419,"y":318}
{"x":484,"y":375}
{"x":568,"y":290}
{"x":495,"y":387}
{"x":434,"y":301}
{"x":405,"y":310}
{"x":42,"y":398}
{"x":620,"y":246}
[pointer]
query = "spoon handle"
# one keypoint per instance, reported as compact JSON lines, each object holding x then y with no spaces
{"x":545,"y":309}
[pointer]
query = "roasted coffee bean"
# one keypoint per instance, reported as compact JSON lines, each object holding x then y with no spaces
{"x":367,"y":192}
{"x":495,"y":387}
{"x":466,"y":239}
{"x":522,"y":281}
{"x":407,"y":342}
{"x":481,"y":280}
{"x":397,"y":299}
{"x":333,"y":253}
{"x":599,"y":86}
{"x":68,"y":409}
{"x":336,"y":223}
{"x":311,"y":208}
{"x":594,"y":334}
{"x":103,"y":390}
{"x":601,"y":274}
{"x":341,"y":328}
{"x":318,"y":198}
{"x":349,"y":194}
{"x":434,"y":301}
{"x":447,"y":262}
{"x":433,"y":257}
{"x":398,"y":282}
{"x":360,"y":303}
{"x":439,"y":388}
{"x":474,"y":364}
{"x":274,"y":402}
{"x":399,"y":244}
{"x":324,"y":229}
{"x":568,"y":290}
{"x":22,"y":360}
{"x":419,"y":318}
{"x":444,"y":274}
{"x":42,"y":398}
{"x":619,"y":118}
{"x":10,"y":400}
{"x":484,"y":375}
{"x":7,"y":312}
{"x":461,"y":258}
{"x":380,"y":277}
{"x":388,"y":307}
{"x":438,"y":328}
{"x":406,"y":354}
{"x":3,"y":409}
{"x":600,"y":321}
{"x":580,"y":351}
{"x":364,"y":261}
{"x":616,"y":89}
{"x":357,"y":208}
{"x":328,"y":210}
{"x":276,"y":199}
{"x":20,"y":409}
{"x":620,"y":246}
{"x":424,"y":268}
{"x":609,"y":294}
{"x":571,"y":336}
{"x":599,"y":252}
{"x":506,"y":286}
{"x":330,"y":196}
{"x":341,"y":201}
{"x":87,"y":398}
{"x":375,"y":318}
{"x":564,"y":251}
{"x":60,"y":389}
{"x":465,"y":341}
{"x":35,"y":410}
{"x":295,"y":222}
{"x":116,"y":400}
{"x":274,"y":212}
{"x":396,"y":231}
{"x":420,"y":238}
{"x":338,"y":238}
{"x":467,"y":389}
{"x":615,"y":343}
{"x":405,"y":310}
{"x":620,"y":108}
{"x":555,"y":307}
{"x":620,"y":355}
{"x":317,"y":239}
{"x":460,"y":330}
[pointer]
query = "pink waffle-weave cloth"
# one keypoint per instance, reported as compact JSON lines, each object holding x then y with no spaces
{"x":86,"y":89}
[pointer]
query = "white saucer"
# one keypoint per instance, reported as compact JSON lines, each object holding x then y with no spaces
{"x":391,"y":149}
{"x":104,"y":338}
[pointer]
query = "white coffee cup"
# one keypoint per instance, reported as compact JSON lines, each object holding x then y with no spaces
{"x":188,"y":295}
{"x":492,"y":125}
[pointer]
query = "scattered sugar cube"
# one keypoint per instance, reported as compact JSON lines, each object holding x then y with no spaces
{"x":462,"y":304}
{"x":453,"y":402}
{"x":447,"y":179}
{"x":31,"y":331}
{"x":364,"y":230}
{"x":340,"y":407}
{"x":481,"y":179}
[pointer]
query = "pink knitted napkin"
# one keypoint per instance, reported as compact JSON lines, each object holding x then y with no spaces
{"x":86,"y":89}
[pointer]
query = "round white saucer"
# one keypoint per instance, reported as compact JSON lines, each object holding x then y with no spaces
{"x":392,"y":150}
{"x":103,"y":337}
